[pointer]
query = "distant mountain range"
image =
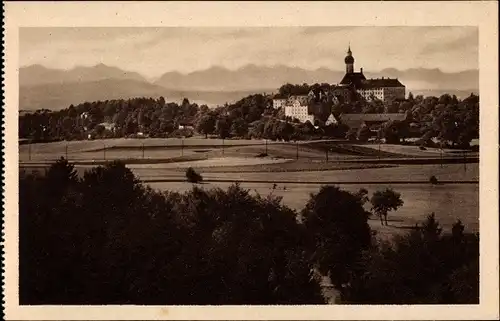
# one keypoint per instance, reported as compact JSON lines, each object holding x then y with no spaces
{"x":42,"y":87}
{"x":37,"y":75}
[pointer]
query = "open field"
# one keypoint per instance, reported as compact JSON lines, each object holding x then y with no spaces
{"x":402,"y":174}
{"x":163,"y":159}
{"x":126,"y":148}
{"x":409,"y":150}
{"x":266,"y":165}
{"x":449,"y":202}
{"x":218,"y":162}
{"x":153,"y":148}
{"x":89,"y":145}
{"x":161,"y":163}
{"x":166,"y":150}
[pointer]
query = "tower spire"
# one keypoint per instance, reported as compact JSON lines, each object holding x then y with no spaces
{"x":349,"y":60}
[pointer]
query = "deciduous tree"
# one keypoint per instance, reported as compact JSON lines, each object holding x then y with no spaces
{"x":385,"y":201}
{"x":339,"y":231}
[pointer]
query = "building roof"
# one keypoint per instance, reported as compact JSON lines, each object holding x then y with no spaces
{"x":279,"y":96}
{"x":317,"y":93}
{"x":107,"y":125}
{"x":353,"y":78}
{"x":357,"y":120}
{"x":374,"y":117}
{"x":380,"y":83}
{"x":331,"y":119}
{"x":303,"y":100}
{"x":190,"y":121}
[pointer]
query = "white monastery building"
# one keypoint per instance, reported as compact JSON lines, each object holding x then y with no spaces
{"x":298,"y":107}
{"x":385,"y":89}
{"x":352,"y":84}
{"x":279,"y":102}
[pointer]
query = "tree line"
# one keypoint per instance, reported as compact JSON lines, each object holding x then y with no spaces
{"x":450,"y":120}
{"x":104,"y":238}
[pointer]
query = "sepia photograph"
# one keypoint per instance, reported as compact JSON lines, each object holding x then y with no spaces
{"x":249,"y":165}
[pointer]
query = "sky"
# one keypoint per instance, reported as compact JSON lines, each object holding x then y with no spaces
{"x":154,"y":51}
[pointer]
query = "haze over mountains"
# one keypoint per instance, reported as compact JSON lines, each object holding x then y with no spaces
{"x":42,"y":87}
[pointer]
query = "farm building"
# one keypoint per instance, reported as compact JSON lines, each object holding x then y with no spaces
{"x":371,"y":120}
{"x":108,"y":126}
{"x":186,"y":125}
{"x":331,"y":120}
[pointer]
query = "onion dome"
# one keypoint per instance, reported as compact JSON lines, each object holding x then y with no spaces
{"x":349,"y":59}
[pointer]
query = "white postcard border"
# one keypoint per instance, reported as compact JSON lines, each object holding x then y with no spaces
{"x":137,"y":14}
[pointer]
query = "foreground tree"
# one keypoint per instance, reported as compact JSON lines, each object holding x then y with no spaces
{"x":339,"y":231}
{"x":362,"y":194}
{"x":61,"y":175}
{"x":385,"y":201}
{"x":421,"y":267}
{"x":248,"y":249}
{"x":106,"y":239}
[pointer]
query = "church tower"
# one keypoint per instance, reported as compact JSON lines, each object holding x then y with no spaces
{"x":349,"y":62}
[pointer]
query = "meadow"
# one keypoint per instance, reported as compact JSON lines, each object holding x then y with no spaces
{"x":161,"y":163}
{"x":196,"y":148}
{"x":410,"y":150}
{"x":449,"y":202}
{"x":401,"y":174}
{"x":124,"y":148}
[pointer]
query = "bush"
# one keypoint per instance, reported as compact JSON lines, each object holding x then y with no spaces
{"x":192,"y":176}
{"x":364,"y":134}
{"x":351,"y":134}
{"x":433,"y":180}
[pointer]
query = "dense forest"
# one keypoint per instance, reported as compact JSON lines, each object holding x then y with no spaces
{"x":451,"y":120}
{"x":104,"y":238}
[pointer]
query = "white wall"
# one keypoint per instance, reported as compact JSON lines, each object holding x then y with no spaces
{"x":298,"y":111}
{"x":278,"y":103}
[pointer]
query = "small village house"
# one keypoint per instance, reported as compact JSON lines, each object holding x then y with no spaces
{"x":186,"y":125}
{"x":373,"y":121}
{"x":331,"y":120}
